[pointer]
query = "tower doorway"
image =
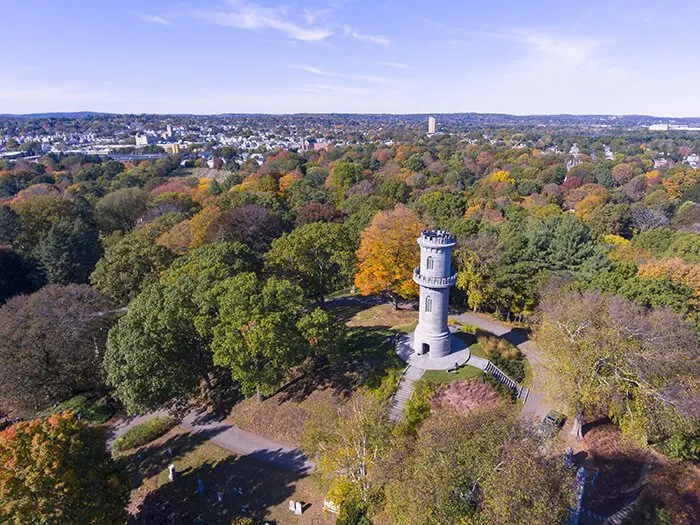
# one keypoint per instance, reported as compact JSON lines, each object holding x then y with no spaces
{"x":425,"y":348}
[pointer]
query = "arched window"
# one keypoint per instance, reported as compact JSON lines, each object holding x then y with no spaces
{"x":428,"y":304}
{"x":429,"y":263}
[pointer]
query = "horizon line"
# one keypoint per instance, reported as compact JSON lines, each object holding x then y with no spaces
{"x":110,"y":113}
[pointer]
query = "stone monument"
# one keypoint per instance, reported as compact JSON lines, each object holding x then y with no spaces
{"x":435,"y":276}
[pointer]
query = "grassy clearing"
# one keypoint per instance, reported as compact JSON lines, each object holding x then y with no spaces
{"x":442,"y":376}
{"x":384,"y":316}
{"x":367,"y":362}
{"x":244,"y":483}
{"x":144,"y":433}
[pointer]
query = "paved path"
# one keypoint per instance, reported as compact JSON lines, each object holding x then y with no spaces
{"x":229,"y":437}
{"x":535,"y":404}
{"x":244,"y":443}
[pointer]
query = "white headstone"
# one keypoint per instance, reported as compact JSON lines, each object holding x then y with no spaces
{"x":297,"y":508}
{"x":171,"y":472}
{"x":291,"y":505}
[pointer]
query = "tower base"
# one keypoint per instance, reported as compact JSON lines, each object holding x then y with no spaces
{"x":459,"y":356}
{"x":435,"y":345}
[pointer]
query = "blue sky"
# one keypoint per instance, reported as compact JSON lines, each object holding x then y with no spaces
{"x":370,"y":56}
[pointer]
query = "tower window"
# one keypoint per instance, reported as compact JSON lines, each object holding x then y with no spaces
{"x":428,"y":304}
{"x":429,"y":263}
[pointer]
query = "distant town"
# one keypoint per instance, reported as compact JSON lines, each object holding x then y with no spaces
{"x":241,"y":137}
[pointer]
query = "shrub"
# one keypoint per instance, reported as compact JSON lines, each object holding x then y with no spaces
{"x":418,"y":407}
{"x":500,"y":388}
{"x":681,"y":447}
{"x":144,"y":433}
{"x":470,"y":329}
{"x":88,"y":410}
{"x":505,"y":356}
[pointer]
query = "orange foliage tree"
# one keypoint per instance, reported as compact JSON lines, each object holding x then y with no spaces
{"x":58,"y":470}
{"x":388,"y":253}
{"x":678,"y":270}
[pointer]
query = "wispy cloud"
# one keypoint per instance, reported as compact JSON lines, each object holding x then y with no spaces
{"x":247,"y":15}
{"x":574,"y":51}
{"x":312,"y":16}
{"x":323,"y":73}
{"x":153,"y":19}
{"x":396,"y":65}
{"x":374,"y":39}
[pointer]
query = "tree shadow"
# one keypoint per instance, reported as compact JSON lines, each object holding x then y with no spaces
{"x":220,"y":491}
{"x":618,"y":465}
{"x":366,"y":357}
{"x":517,"y":336}
{"x":152,"y":459}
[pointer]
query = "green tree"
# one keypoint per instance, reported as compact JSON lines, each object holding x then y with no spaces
{"x":120,"y":209}
{"x":159,"y":352}
{"x":316,"y":256}
{"x":51,"y":346}
{"x":263,"y":330}
{"x":441,"y":206}
{"x":129,"y":265}
{"x":344,"y":175}
{"x":155,"y":356}
{"x":68,"y":252}
{"x":58,"y":470}
{"x":16,"y":274}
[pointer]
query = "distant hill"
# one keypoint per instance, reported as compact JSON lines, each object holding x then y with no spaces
{"x":72,"y":114}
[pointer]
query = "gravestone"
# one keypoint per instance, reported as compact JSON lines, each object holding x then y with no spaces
{"x":291,"y":505}
{"x":171,"y":472}
{"x":297,"y":508}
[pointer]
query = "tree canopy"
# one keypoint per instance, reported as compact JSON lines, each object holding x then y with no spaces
{"x":51,"y":345}
{"x":388,"y":254}
{"x":316,"y":256}
{"x":58,"y":470}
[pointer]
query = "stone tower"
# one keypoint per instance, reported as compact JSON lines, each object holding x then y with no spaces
{"x":435,"y":277}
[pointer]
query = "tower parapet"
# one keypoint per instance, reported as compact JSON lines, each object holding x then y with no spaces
{"x":434,"y":276}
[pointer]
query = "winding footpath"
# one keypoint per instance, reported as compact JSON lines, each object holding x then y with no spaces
{"x":285,"y":457}
{"x":230,"y":437}
{"x":535,"y":404}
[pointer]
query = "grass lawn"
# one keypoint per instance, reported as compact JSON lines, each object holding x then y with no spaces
{"x":442,"y":376}
{"x":384,"y":316}
{"x":528,"y":373}
{"x":264,"y":491}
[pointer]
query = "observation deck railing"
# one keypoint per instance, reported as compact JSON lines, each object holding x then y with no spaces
{"x":425,"y":280}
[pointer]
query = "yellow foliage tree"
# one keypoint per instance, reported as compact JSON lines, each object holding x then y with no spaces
{"x":199,"y":224}
{"x":590,"y":203}
{"x":678,"y":270}
{"x":288,"y":180}
{"x":500,"y":176}
{"x":624,"y":251}
{"x":388,"y":254}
